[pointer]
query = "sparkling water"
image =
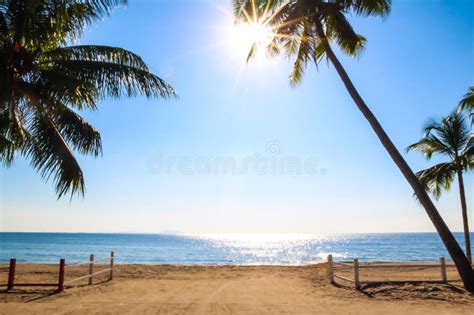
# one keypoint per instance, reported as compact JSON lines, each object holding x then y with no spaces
{"x":238,"y":249}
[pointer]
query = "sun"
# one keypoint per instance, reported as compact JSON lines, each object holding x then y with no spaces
{"x":243,"y":36}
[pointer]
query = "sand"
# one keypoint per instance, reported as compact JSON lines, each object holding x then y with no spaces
{"x":165,"y":289}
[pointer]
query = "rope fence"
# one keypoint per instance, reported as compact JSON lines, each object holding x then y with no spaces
{"x":91,"y":273}
{"x":61,"y":284}
{"x":355,"y":266}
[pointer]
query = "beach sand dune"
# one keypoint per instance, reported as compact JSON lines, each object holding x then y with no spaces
{"x":145,"y":289}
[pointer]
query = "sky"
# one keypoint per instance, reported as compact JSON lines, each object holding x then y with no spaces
{"x":302,"y":159}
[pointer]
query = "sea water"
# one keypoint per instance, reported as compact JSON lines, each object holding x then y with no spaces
{"x":238,"y":249}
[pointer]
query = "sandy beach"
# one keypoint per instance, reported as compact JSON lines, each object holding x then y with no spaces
{"x":171,"y":289}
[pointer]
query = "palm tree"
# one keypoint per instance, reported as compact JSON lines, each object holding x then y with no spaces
{"x":304,"y":29}
{"x":44,"y":81}
{"x":451,"y":137}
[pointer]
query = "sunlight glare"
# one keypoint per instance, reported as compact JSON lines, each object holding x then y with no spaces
{"x":244,"y":35}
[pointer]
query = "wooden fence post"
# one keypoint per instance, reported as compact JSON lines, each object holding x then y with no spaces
{"x":62,"y":264}
{"x":444,"y":277}
{"x":330,"y":269}
{"x":91,"y":268}
{"x":111,"y":276}
{"x":11,"y":274}
{"x":356,"y":273}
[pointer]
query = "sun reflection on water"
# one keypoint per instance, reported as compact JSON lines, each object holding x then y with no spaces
{"x":287,"y":249}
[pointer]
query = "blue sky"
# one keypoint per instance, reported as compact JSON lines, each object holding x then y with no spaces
{"x":418,"y":63}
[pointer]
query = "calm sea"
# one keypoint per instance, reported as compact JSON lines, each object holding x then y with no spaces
{"x":282,"y":249}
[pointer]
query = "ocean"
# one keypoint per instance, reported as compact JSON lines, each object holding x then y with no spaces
{"x":242,"y":249}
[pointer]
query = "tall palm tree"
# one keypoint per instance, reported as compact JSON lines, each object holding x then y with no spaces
{"x":451,"y":137}
{"x":304,"y":29}
{"x":44,"y":81}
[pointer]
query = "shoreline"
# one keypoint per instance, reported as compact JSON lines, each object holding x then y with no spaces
{"x":185,"y":289}
{"x":39,"y":263}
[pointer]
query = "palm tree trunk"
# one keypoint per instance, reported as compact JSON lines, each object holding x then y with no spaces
{"x":462,"y":264}
{"x":465,"y":222}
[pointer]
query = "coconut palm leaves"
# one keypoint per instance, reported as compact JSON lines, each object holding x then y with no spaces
{"x":452,"y":138}
{"x":44,"y":82}
{"x":298,"y":26}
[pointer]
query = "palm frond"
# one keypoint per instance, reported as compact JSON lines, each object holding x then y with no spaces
{"x":47,"y":23}
{"x":245,"y":8}
{"x":115,"y":80}
{"x":96,"y":53}
{"x":466,"y":161}
{"x":273,"y":49}
{"x":367,"y":7}
{"x":305,"y":53}
{"x":66,"y":88}
{"x":52,"y":157}
{"x":252,"y":51}
{"x":291,"y":45}
{"x":469,"y":147}
{"x":7,"y":151}
{"x":13,"y":135}
{"x":79,"y":133}
{"x":437,"y":178}
{"x":429,"y":145}
{"x":467,"y":102}
{"x":339,"y":29}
